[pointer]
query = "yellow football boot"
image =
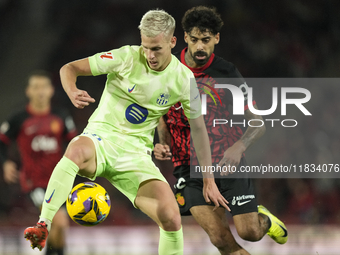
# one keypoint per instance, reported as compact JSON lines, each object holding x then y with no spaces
{"x":278,"y":231}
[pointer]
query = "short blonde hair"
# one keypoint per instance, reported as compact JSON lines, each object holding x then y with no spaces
{"x":155,"y":22}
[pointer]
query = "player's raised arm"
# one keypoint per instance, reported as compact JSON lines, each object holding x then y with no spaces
{"x":202,"y":147}
{"x":68,"y":77}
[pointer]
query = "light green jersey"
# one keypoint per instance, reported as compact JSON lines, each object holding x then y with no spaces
{"x":135,"y":96}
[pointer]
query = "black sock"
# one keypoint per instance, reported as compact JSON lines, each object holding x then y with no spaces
{"x":52,"y":251}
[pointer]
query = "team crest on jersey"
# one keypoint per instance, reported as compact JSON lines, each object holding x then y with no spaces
{"x":180,"y":199}
{"x":163,"y":99}
{"x":55,"y":126}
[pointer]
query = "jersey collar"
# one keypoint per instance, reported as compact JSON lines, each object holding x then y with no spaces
{"x":199,"y":69}
{"x":31,"y":111}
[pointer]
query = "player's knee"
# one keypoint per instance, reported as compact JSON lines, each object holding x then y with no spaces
{"x":171,"y":222}
{"x":250,"y":233}
{"x":78,"y":153}
{"x":219,"y":242}
{"x":224,"y":241}
{"x":169,"y":218}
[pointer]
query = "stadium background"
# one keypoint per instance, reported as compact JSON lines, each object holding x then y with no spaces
{"x":262,"y":38}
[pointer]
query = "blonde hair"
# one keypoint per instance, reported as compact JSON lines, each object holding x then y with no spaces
{"x":155,"y":22}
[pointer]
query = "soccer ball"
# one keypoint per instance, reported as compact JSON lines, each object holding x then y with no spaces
{"x":88,"y":204}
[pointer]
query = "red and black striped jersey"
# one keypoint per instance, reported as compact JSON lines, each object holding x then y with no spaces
{"x":221,"y":136}
{"x":39,"y":139}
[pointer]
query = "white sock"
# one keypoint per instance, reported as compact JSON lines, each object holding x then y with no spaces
{"x":47,"y":222}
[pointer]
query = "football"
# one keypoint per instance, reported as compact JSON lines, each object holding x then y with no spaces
{"x":88,"y":204}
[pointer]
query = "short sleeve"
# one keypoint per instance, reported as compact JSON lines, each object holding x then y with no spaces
{"x":111,"y":61}
{"x":192,"y":100}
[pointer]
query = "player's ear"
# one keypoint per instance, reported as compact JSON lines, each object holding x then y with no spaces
{"x":173,"y":41}
{"x":217,"y":38}
{"x":186,"y":37}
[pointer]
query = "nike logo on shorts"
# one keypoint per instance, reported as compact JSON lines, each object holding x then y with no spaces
{"x":239,"y":203}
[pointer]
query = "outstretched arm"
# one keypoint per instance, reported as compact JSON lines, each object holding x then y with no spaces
{"x":68,"y":77}
{"x":202,"y":147}
{"x":233,"y":154}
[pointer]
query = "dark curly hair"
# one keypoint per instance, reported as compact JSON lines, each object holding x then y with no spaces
{"x":204,"y":18}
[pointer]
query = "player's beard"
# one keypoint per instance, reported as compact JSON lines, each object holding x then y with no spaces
{"x":200,"y":62}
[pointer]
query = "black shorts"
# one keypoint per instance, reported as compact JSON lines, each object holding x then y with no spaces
{"x":239,"y":192}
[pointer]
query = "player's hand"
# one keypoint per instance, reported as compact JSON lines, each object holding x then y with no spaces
{"x":162,"y":152}
{"x":231,"y":159}
{"x":212,"y":194}
{"x":11,"y":173}
{"x":80,"y":98}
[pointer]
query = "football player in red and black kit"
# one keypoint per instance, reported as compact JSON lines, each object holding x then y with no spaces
{"x":201,"y":27}
{"x":39,"y":132}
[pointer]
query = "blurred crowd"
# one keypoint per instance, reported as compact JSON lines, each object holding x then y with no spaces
{"x":263,"y":39}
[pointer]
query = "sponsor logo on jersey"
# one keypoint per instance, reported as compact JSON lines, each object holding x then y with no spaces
{"x":130,"y":90}
{"x":163,"y":99}
{"x":136,"y":114}
{"x":180,"y":199}
{"x":44,"y":143}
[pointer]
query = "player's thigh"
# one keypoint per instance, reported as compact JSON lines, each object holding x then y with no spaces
{"x":215,"y":223}
{"x":131,"y":172}
{"x":155,"y":198}
{"x":246,"y":219}
{"x":82,"y":151}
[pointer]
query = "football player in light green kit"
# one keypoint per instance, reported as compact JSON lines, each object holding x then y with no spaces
{"x":142,"y":83}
